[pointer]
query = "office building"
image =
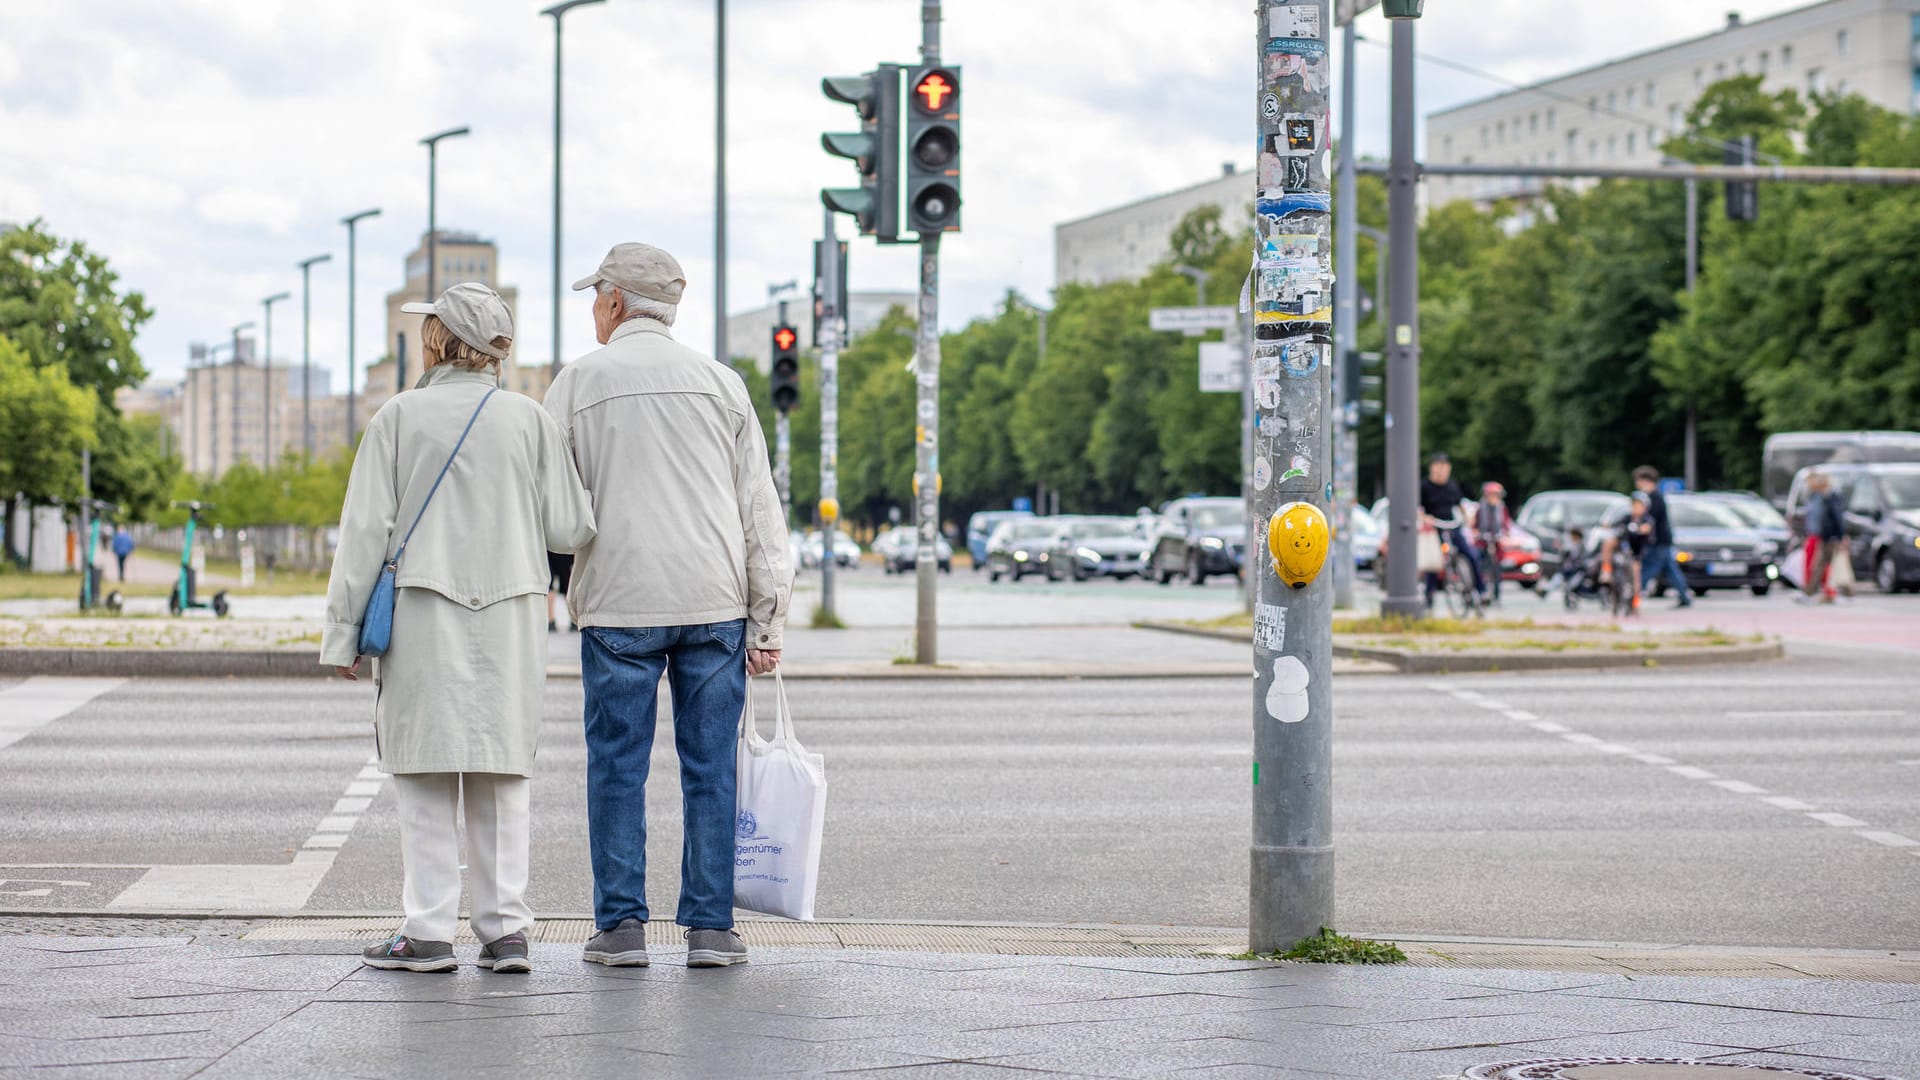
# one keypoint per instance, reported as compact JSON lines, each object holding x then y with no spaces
{"x":1126,"y":242}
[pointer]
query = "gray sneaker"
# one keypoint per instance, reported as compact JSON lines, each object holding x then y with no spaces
{"x":623,"y":946}
{"x":715,"y":948}
{"x":402,"y":953}
{"x":508,"y":955}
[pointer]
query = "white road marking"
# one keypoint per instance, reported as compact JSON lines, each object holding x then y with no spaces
{"x":1583,"y":738}
{"x":1521,"y":715}
{"x":352,"y":806}
{"x":1740,"y":787}
{"x":1839,"y":821}
{"x":1891,"y":839}
{"x":1613,"y":748}
{"x":1785,"y":802}
{"x":1691,"y":772}
{"x":1813,"y":714}
{"x":1550,"y":727}
{"x":39,"y":701}
{"x":1653,"y":759}
{"x":364,"y":787}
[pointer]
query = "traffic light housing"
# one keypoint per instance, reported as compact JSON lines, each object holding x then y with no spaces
{"x":933,"y":149}
{"x":1362,"y":394}
{"x":1743,"y":196}
{"x":875,"y":149}
{"x":784,"y":378}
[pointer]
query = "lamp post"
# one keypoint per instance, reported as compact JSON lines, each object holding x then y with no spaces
{"x":266,"y":382}
{"x":557,"y":11}
{"x":432,"y":143}
{"x":720,"y":182}
{"x":350,"y":221}
{"x":306,"y":352}
{"x":235,"y":444}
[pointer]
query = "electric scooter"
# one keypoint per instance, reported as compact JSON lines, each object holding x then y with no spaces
{"x":184,"y":593}
{"x":91,"y":572}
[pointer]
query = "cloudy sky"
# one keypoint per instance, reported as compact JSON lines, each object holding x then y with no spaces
{"x":206,"y":146}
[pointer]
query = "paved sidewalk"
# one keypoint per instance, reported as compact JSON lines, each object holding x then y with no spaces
{"x":212,"y":1007}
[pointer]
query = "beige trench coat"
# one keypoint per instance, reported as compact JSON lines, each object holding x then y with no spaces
{"x":461,"y":685}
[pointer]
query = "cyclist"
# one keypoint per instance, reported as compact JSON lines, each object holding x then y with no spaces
{"x":1440,"y":499}
{"x":1622,"y":549}
{"x":1491,"y":520}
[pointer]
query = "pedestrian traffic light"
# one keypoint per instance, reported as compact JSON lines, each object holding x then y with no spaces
{"x":933,"y":150}
{"x":1362,"y":394}
{"x":784,"y":379}
{"x":1743,"y":196}
{"x":875,"y":148}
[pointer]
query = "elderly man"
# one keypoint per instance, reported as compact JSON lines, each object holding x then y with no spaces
{"x":689,"y":578}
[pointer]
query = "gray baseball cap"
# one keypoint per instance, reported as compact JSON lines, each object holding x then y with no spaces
{"x":475,"y":314}
{"x":641,"y":269}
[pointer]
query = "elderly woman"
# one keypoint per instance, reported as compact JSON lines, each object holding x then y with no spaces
{"x":484,"y":482}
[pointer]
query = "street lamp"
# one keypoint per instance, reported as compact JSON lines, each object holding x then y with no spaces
{"x":248,"y":325}
{"x":350,"y":221}
{"x":266,"y":382}
{"x":306,"y":352}
{"x":432,"y":143}
{"x":557,"y":11}
{"x":1404,"y":9}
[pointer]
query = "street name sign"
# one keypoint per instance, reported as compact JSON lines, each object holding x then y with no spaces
{"x":1221,"y":369}
{"x":1193,"y":320}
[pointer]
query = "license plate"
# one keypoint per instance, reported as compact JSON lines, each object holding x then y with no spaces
{"x":1727,"y":569}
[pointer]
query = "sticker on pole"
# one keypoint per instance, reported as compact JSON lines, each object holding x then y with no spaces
{"x":1296,"y":21}
{"x":1287,"y":696}
{"x":1269,"y":627}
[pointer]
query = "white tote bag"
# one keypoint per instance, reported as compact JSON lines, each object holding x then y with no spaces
{"x":782,"y":816}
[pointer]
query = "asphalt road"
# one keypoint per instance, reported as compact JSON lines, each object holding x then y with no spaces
{"x":1461,"y":807}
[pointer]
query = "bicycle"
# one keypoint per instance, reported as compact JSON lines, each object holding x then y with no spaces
{"x":1456,"y":571}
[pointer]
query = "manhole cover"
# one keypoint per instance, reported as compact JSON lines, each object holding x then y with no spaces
{"x":1645,"y":1069}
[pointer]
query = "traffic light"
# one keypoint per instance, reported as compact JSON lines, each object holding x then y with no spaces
{"x":785,"y":376}
{"x":1363,"y":393}
{"x":1743,"y":196}
{"x":933,"y":150}
{"x":875,"y":148}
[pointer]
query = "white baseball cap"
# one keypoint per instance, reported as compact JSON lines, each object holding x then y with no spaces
{"x":475,"y":314}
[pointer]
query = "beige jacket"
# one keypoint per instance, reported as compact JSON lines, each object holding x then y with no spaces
{"x":667,"y":442}
{"x":510,"y":497}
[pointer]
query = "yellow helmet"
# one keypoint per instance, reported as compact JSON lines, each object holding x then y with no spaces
{"x":829,"y":509}
{"x":1298,"y":536}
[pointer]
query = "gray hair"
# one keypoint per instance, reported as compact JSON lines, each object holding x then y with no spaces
{"x":639,"y":307}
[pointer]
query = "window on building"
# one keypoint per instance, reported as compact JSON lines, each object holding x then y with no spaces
{"x":1446,"y":146}
{"x":1593,"y":104}
{"x":1533,"y":124}
{"x":1632,"y":138}
{"x":1612,"y":98}
{"x":1549,"y":119}
{"x":1840,"y":42}
{"x":1765,"y":56}
{"x":1551,"y":158}
{"x":1649,"y":93}
{"x":1840,"y":88}
{"x":1500,"y":131}
{"x":1673,"y":118}
{"x":1593,"y":148}
{"x":1573,"y":144}
{"x":1719,"y":71}
{"x":1699,"y":78}
{"x":1786,"y":54}
{"x":1816,"y":81}
{"x":1485,"y":139}
{"x":1629,"y":97}
{"x":1613,"y":144}
{"x":1740,"y":65}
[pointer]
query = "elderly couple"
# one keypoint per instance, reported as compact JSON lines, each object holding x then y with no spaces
{"x":649,"y":464}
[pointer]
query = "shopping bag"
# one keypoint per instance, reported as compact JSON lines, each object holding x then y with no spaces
{"x":1427,"y":555}
{"x":781,"y":816}
{"x":1793,"y":564}
{"x":1840,"y":570}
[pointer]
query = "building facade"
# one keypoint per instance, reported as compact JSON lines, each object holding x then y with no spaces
{"x":1126,"y":242}
{"x":1619,"y":113}
{"x":225,"y":413}
{"x":750,"y":333}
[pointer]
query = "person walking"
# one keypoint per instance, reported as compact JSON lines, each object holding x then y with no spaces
{"x":122,"y":547}
{"x":689,"y":579}
{"x":1659,"y":561}
{"x":1826,"y":540}
{"x":464,"y":489}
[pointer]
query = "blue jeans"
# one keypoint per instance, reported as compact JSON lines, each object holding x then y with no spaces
{"x":1659,"y":562}
{"x":706,"y":670}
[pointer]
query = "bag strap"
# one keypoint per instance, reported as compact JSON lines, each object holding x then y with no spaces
{"x":783,"y":722}
{"x":395,"y":561}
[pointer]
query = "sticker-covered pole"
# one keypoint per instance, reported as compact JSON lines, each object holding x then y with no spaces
{"x":1403,"y":343}
{"x":1291,"y":893}
{"x":830,"y":315}
{"x":1346,"y":322}
{"x":926,"y":475}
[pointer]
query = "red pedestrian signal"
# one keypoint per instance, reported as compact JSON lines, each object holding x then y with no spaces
{"x":935,"y":91}
{"x":784,"y":337}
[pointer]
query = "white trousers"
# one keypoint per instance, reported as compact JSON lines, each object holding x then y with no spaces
{"x":499,"y":836}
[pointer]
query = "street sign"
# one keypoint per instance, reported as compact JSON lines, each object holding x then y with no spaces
{"x":1191,"y":319}
{"x":1221,"y":369}
{"x":1350,"y":8}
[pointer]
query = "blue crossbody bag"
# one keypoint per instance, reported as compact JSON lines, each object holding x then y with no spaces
{"x":376,"y":625}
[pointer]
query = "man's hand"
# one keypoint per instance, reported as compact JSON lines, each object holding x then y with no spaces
{"x":762,"y":661}
{"x":351,"y":674}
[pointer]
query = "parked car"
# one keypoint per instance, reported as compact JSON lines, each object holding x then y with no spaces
{"x":1549,"y":515}
{"x":846,"y":550}
{"x":1097,"y":547}
{"x":1198,"y":538}
{"x":1883,"y":520}
{"x":899,"y":551}
{"x":980,"y":527}
{"x":1715,"y":548}
{"x":1759,"y":513}
{"x":1788,"y":452}
{"x":1365,"y":533}
{"x":1016,"y":547}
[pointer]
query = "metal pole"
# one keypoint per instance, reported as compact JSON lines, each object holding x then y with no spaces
{"x":1346,"y":321}
{"x":720,"y":182}
{"x":1693,"y":273}
{"x":1403,"y":342}
{"x":432,"y":143}
{"x":350,"y":222}
{"x":554,"y":369}
{"x":1291,"y":860}
{"x":927,"y":434}
{"x":86,"y":535}
{"x":234,"y":447}
{"x":829,"y":403}
{"x":266,"y":379}
{"x":306,"y":352}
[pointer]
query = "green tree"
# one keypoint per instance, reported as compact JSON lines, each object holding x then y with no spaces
{"x":45,"y":422}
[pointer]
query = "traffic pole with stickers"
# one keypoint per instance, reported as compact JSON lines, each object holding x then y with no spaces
{"x":1291,"y":293}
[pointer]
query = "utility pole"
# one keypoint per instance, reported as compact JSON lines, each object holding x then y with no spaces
{"x":235,"y":445}
{"x":306,"y":352}
{"x":926,"y":645}
{"x":266,"y":380}
{"x":558,"y":11}
{"x":829,"y":328}
{"x":1693,"y":272}
{"x":1346,"y":324}
{"x":1291,"y":860}
{"x":351,"y":221}
{"x":1403,"y":343}
{"x":432,"y":143}
{"x":720,"y":352}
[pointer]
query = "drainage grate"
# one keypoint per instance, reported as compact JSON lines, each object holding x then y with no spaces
{"x":1647,"y":1069}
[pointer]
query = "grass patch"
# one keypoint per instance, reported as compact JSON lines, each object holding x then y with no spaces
{"x":1328,"y":947}
{"x":19,"y":585}
{"x":825,"y":620}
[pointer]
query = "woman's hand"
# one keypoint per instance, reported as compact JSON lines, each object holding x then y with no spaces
{"x":351,"y":674}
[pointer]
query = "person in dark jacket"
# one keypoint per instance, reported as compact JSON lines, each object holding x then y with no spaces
{"x":1826,"y":537}
{"x":1440,"y":499}
{"x":1659,"y":561}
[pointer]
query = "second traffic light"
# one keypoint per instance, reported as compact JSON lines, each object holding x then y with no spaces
{"x":875,"y":149}
{"x":784,"y":378}
{"x":933,"y":150}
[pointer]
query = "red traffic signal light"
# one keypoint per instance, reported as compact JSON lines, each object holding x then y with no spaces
{"x":936,"y":91}
{"x":785,"y":337}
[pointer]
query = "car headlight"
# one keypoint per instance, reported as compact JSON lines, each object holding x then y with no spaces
{"x":1530,"y":568}
{"x":1213,"y":543}
{"x":1088,"y":554}
{"x":1773,"y":572}
{"x":1019,"y":556}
